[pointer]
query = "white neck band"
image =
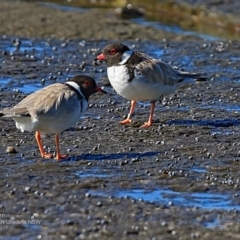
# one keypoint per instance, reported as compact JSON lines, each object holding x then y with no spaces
{"x":126,"y":56}
{"x":76,"y":86}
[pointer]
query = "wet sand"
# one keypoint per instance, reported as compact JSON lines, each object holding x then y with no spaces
{"x":192,"y":149}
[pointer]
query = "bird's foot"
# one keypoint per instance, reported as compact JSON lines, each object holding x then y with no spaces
{"x":126,"y":121}
{"x":60,"y":157}
{"x":146,"y":124}
{"x":47,"y":155}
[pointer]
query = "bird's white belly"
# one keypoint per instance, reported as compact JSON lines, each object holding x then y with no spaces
{"x":55,"y":126}
{"x":139,"y":88}
{"x":23,"y":123}
{"x":45,"y":125}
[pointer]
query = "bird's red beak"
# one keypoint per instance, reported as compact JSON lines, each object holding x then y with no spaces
{"x":100,"y":57}
{"x":98,"y":89}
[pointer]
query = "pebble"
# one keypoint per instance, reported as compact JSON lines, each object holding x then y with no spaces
{"x":10,"y":149}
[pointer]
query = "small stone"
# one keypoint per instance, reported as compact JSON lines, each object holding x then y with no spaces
{"x":11,"y":149}
{"x":88,"y":195}
{"x":27,"y":189}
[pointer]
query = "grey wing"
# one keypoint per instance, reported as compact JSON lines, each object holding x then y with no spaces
{"x":160,"y":72}
{"x":59,"y":102}
{"x":50,"y":102}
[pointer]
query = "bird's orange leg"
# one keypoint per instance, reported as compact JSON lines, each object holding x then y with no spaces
{"x":58,"y":155}
{"x":150,"y":120}
{"x":128,"y":119}
{"x":40,"y":146}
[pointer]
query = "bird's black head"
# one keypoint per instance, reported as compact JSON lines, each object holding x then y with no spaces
{"x":86,"y":84}
{"x":114,"y":54}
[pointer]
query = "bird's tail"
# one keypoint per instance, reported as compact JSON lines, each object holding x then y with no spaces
{"x":195,"y":76}
{"x":201,"y":79}
{"x":11,"y":112}
{"x":187,"y":78}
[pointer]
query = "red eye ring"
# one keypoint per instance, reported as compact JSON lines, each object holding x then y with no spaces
{"x":113,"y":51}
{"x":87,"y":83}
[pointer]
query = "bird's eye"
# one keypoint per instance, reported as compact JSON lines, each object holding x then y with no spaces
{"x":113,"y":51}
{"x":87,"y":83}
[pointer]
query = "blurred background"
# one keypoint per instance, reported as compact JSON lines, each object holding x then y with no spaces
{"x":218,"y":18}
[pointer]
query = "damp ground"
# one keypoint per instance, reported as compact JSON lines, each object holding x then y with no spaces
{"x":178,"y":179}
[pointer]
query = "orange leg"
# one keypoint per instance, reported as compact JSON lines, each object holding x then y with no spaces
{"x":58,"y":156}
{"x":40,"y":146}
{"x":150,"y":120}
{"x":128,"y":119}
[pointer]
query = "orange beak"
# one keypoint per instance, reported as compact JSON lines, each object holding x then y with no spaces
{"x":98,"y":89}
{"x":100,"y":57}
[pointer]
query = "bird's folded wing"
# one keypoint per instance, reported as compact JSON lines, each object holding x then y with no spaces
{"x":60,"y":106}
{"x":52,"y":102}
{"x":47,"y":102}
{"x":159,"y":72}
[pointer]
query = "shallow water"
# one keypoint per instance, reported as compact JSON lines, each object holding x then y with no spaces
{"x":228,"y":107}
{"x":16,"y":86}
{"x":220,"y":201}
{"x":118,"y":155}
{"x":26,"y":47}
{"x":214,"y":123}
{"x":199,"y":169}
{"x":95,"y":174}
